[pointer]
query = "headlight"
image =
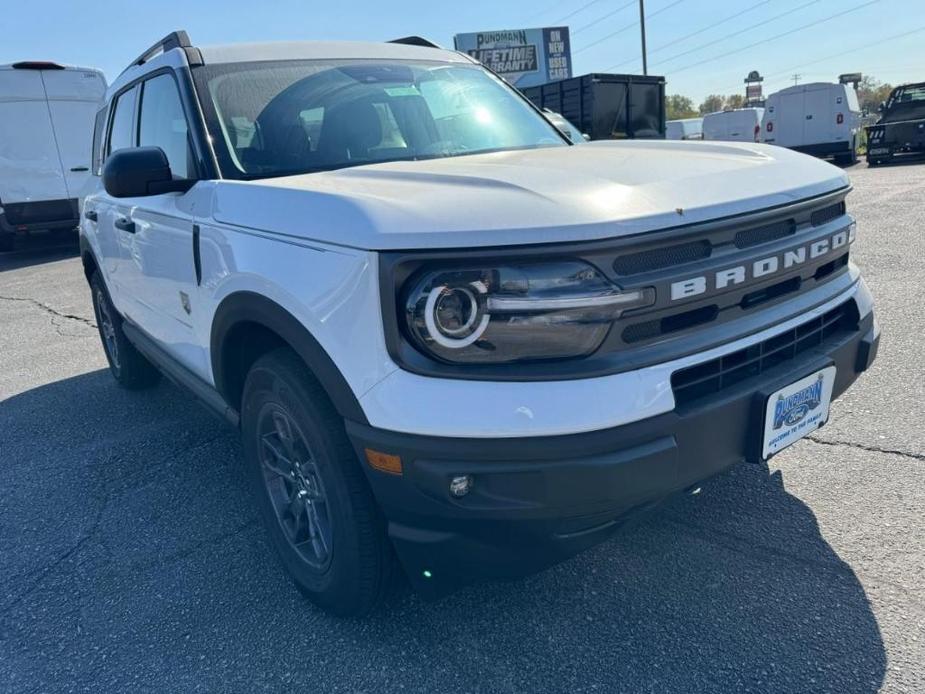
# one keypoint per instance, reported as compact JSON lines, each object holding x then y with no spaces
{"x":516,"y":312}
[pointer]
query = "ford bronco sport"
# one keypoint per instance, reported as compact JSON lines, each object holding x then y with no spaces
{"x":452,"y":341}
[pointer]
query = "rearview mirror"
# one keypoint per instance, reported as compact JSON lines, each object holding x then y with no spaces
{"x":141,"y":171}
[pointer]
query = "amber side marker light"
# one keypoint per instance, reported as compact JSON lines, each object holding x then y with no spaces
{"x":384,"y":462}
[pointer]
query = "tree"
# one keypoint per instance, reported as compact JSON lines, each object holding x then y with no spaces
{"x":678,"y":106}
{"x":712,"y":103}
{"x":735,"y":101}
{"x":871,"y":92}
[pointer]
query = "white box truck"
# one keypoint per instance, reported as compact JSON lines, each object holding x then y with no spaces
{"x":46,"y":129}
{"x":735,"y":125}
{"x":821,"y":118}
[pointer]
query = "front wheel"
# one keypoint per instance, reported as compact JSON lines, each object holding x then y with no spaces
{"x":127,"y":365}
{"x":311,"y":492}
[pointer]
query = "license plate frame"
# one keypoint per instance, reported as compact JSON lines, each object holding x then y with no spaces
{"x":796,"y":410}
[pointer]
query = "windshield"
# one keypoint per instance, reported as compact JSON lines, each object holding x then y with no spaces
{"x":304,"y":116}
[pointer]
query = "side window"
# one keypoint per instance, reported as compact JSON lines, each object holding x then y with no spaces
{"x":122,"y":132}
{"x":96,"y":156}
{"x":163,"y":124}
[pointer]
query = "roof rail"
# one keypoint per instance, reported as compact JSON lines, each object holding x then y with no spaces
{"x":175,"y":39}
{"x":416,"y":41}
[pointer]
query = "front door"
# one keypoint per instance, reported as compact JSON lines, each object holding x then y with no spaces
{"x":158,"y":272}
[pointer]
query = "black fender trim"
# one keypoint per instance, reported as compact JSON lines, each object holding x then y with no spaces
{"x":86,"y":251}
{"x":248,"y":307}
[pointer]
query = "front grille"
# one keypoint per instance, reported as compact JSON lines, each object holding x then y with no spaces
{"x":827,"y":214}
{"x":713,"y":376}
{"x":765,"y":234}
{"x":670,"y":324}
{"x":659,"y":258}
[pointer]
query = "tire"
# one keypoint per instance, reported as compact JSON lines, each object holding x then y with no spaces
{"x":127,"y":365}
{"x":7,"y":242}
{"x":312,"y":495}
{"x":849,"y":159}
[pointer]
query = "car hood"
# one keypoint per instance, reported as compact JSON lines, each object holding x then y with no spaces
{"x":594,"y":191}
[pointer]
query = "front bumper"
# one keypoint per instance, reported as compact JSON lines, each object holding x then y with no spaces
{"x":538,"y":500}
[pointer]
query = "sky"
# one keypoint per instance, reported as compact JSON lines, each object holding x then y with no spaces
{"x":700,"y":46}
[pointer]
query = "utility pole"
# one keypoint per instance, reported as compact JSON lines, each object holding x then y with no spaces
{"x":642,"y":28}
{"x":796,"y":78}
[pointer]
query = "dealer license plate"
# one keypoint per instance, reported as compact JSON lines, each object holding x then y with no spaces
{"x":797,"y":410}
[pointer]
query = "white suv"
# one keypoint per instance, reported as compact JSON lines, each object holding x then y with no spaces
{"x":452,"y":341}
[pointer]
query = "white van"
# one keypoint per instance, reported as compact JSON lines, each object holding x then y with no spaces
{"x":738,"y":125}
{"x":684,"y":129}
{"x":46,"y":129}
{"x":820,"y":118}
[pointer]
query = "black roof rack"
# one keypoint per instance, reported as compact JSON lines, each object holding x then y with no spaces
{"x":415,"y":41}
{"x":175,"y":39}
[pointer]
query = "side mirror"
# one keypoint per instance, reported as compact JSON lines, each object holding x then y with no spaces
{"x":586,"y":137}
{"x":140,"y":171}
{"x":881,"y":106}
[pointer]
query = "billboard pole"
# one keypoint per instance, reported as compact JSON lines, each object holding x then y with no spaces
{"x":642,"y":28}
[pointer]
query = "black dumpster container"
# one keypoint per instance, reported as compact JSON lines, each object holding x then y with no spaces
{"x":605,"y":106}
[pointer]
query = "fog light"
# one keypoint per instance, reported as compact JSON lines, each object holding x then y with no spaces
{"x":460,"y":485}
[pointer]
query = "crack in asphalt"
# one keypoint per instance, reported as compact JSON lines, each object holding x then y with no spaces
{"x":732,"y":542}
{"x":869,"y":449}
{"x":50,"y":310}
{"x":117,"y":485}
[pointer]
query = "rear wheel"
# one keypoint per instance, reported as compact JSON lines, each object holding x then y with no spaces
{"x":314,"y":499}
{"x":127,"y":365}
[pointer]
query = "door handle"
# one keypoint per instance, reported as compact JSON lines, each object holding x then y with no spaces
{"x":80,"y":168}
{"x":91,"y":215}
{"x":125,"y":224}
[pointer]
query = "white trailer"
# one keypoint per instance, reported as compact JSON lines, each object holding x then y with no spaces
{"x":820,"y":118}
{"x":46,"y":130}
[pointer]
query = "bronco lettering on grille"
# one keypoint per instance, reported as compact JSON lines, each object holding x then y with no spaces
{"x":737,"y":274}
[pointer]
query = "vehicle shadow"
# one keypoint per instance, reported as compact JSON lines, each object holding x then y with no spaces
{"x":131,"y":552}
{"x":39,"y":249}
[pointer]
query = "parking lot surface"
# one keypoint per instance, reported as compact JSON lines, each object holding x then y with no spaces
{"x":131,"y":558}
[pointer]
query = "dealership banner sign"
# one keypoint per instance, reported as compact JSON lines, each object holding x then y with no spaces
{"x":523,"y":57}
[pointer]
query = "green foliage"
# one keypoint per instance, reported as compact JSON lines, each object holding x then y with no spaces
{"x":712,"y":103}
{"x":871,"y":92}
{"x":678,"y":106}
{"x":718,"y":102}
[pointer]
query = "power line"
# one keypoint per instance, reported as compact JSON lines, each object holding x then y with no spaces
{"x":692,"y":34}
{"x":853,"y":50}
{"x":627,"y":27}
{"x":741,"y":31}
{"x":578,"y":11}
{"x":606,"y":16}
{"x":778,"y":36}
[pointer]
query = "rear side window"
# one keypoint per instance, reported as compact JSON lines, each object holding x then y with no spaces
{"x":99,"y":126}
{"x":163,"y":124}
{"x":122,"y":132}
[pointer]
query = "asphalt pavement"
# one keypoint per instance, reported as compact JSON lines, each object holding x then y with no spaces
{"x":131,"y":558}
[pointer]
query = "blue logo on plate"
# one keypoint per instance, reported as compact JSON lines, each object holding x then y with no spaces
{"x":794,"y":408}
